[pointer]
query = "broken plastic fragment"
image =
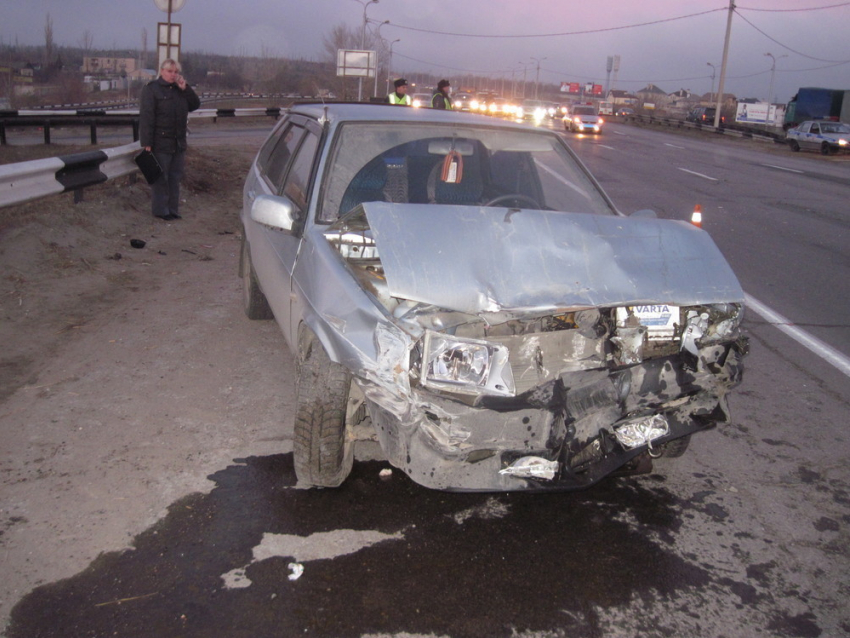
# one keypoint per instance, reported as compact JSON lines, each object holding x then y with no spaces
{"x":297,"y":570}
{"x":643,"y":431}
{"x":532,"y":467}
{"x":696,"y":327}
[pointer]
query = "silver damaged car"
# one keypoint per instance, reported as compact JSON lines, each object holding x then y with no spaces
{"x":462,"y":291}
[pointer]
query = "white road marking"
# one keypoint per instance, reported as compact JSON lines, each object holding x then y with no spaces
{"x":619,"y":133}
{"x":674,"y":146}
{"x":782,"y":168}
{"x":713,"y":179}
{"x":815,"y":345}
{"x":606,"y":146}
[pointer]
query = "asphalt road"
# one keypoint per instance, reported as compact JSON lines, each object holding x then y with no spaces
{"x":746,"y":535}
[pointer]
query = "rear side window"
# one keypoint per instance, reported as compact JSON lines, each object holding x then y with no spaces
{"x":273,"y":165}
{"x":298,"y":179}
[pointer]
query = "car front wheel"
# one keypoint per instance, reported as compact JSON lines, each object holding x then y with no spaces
{"x":254,"y":302}
{"x":825,"y":149}
{"x":794,"y":145}
{"x":323,"y":450}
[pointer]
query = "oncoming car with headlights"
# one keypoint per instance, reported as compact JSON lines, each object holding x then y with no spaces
{"x":583,"y":118}
{"x":461,"y":290}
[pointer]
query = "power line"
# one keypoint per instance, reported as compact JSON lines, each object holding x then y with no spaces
{"x":553,"y":35}
{"x":774,"y":40}
{"x":831,"y":6}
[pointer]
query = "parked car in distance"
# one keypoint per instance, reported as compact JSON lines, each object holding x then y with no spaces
{"x":583,"y":118}
{"x":623,"y":111}
{"x":704,"y":115}
{"x":820,"y":135}
{"x":461,"y":290}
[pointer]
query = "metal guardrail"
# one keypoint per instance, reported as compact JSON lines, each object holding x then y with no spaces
{"x":727,"y":129}
{"x":47,"y":120}
{"x":26,"y":181}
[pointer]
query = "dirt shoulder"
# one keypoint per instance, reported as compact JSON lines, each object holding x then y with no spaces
{"x":126,"y":374}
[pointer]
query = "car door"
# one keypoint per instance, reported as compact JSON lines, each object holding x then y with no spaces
{"x":288,"y":173}
{"x":811,"y":135}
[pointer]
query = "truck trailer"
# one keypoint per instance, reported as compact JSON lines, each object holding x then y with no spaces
{"x":813,"y":103}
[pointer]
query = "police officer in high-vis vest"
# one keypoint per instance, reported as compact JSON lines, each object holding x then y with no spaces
{"x":399,"y":96}
{"x":441,"y":99}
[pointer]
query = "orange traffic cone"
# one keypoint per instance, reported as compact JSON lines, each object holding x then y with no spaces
{"x":696,"y":217}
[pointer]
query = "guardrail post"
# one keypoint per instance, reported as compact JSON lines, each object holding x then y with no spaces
{"x":135,"y":130}
{"x":94,"y":133}
{"x":3,"y":133}
{"x":47,"y":132}
{"x":78,"y":195}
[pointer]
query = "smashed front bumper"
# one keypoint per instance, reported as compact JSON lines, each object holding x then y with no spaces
{"x":567,"y":433}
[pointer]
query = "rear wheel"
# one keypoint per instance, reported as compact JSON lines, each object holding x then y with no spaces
{"x":323,"y":449}
{"x":794,"y":145}
{"x":254,"y":302}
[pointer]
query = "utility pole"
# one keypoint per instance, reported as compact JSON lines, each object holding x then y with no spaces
{"x":719,"y":104}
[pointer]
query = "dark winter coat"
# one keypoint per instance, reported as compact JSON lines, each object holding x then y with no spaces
{"x":163,"y":115}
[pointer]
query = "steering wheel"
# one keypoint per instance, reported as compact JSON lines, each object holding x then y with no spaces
{"x":514,"y":197}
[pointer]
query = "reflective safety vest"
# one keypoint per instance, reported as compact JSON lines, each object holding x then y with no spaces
{"x":403,"y":100}
{"x":447,"y":101}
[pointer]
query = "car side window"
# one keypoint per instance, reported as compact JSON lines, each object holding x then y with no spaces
{"x":816,"y":129}
{"x":281,"y":154}
{"x":298,"y":178}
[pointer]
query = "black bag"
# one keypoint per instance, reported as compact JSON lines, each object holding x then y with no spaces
{"x":146,"y":161}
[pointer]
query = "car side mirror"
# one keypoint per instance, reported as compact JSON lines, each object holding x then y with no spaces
{"x":275,"y":211}
{"x":644,"y":213}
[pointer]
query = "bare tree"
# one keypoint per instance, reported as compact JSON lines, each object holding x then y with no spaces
{"x":86,"y":42}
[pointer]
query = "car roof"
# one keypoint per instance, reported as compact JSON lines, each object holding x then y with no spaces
{"x":356,"y":112}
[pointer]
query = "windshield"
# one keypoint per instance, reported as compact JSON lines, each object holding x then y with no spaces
{"x":834,"y":128}
{"x":455,"y":164}
{"x":584,"y":110}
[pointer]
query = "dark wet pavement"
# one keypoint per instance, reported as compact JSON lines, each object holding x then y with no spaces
{"x":461,"y":565}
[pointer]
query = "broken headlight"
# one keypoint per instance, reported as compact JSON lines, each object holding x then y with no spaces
{"x":469,"y":366}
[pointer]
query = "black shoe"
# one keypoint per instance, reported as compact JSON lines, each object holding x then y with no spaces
{"x":175,"y":216}
{"x":164,"y":218}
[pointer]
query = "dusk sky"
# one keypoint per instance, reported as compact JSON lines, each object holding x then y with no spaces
{"x":572,"y":40}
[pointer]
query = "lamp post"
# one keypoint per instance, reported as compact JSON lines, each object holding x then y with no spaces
{"x":365,"y":4}
{"x":525,"y":66}
{"x":390,"y":64}
{"x":378,"y":31}
{"x":713,"y":71}
{"x":537,"y":79}
{"x":772,"y":74}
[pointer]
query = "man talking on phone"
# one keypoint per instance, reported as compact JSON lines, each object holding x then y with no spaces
{"x":164,"y":109}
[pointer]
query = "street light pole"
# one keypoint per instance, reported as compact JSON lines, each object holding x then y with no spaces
{"x":381,"y":41}
{"x":537,"y":79}
{"x":770,"y":99}
{"x":365,"y":4}
{"x":713,"y":71}
{"x":390,"y":64}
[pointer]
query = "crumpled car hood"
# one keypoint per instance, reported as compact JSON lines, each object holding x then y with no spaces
{"x":488,"y":259}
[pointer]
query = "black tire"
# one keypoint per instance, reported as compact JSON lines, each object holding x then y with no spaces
{"x":794,"y":145}
{"x":825,"y":149}
{"x":677,"y":447}
{"x":323,"y":449}
{"x":254,"y":302}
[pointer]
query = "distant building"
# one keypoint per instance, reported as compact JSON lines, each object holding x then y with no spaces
{"x":109,"y":66}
